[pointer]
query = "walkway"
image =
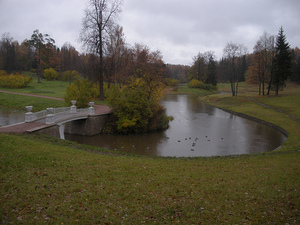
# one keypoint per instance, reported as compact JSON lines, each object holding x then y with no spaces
{"x":273,"y":108}
{"x":25,"y":127}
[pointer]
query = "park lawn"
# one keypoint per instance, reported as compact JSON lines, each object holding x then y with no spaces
{"x":61,"y":182}
{"x":45,"y":88}
{"x":20,"y":102}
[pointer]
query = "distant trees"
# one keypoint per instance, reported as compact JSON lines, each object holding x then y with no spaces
{"x":178,"y":72}
{"x":204,"y":68}
{"x":296,"y":65}
{"x":233,"y":53}
{"x":98,"y":22}
{"x":7,"y":55}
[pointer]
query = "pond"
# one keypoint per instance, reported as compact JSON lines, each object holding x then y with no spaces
{"x":197,"y":130}
{"x":11,"y":116}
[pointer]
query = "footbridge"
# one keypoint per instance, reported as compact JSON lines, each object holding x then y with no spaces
{"x":59,"y":116}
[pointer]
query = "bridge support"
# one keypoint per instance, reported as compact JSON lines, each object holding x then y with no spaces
{"x":61,"y":127}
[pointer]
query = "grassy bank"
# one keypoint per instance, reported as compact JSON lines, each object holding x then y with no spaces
{"x":184,"y":89}
{"x":60,"y":183}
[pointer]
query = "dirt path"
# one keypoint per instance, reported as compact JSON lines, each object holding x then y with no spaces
{"x":40,"y":96}
{"x":273,"y":108}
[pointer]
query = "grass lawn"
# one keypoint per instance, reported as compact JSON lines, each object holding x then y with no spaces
{"x":59,"y":182}
{"x":46,"y":88}
{"x":47,"y":180}
{"x":20,"y":102}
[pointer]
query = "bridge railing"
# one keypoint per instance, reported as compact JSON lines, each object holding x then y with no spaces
{"x":57,"y":114}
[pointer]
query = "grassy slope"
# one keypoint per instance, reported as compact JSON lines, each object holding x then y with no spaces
{"x":57,"y":182}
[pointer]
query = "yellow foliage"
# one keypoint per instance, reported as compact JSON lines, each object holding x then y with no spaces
{"x":14,"y":80}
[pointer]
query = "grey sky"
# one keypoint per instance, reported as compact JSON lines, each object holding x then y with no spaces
{"x":178,"y":28}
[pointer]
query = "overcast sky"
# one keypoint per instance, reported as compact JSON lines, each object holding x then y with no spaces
{"x":180,"y":29}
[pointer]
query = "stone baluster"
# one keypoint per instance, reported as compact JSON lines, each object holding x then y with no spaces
{"x":73,"y":108}
{"x":29,"y":115}
{"x":91,"y":108}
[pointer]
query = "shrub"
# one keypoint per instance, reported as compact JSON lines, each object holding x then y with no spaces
{"x":69,"y":75}
{"x":14,"y":80}
{"x":195,"y":84}
{"x":133,"y":112}
{"x":199,"y":84}
{"x":81,"y":91}
{"x":50,"y":74}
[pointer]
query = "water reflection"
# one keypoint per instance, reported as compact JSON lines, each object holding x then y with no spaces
{"x":10,"y":116}
{"x":197,"y":130}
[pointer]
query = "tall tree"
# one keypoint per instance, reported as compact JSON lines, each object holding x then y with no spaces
{"x":211,"y":77}
{"x":198,"y":69}
{"x":69,"y":57}
{"x":7,"y":53}
{"x":115,"y":50}
{"x":39,"y":41}
{"x":282,"y":63}
{"x":97,"y":23}
{"x":234,"y":54}
{"x":262,"y":61}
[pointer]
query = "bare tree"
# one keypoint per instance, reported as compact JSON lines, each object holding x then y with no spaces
{"x":99,"y":19}
{"x":263,"y":58}
{"x":115,"y":50}
{"x":234,"y":54}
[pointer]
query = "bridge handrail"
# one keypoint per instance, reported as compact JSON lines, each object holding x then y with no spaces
{"x":57,"y":114}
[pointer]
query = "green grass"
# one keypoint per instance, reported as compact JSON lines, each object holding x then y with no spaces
{"x":60,"y":183}
{"x":20,"y":102}
{"x":46,"y":88}
{"x":184,"y":89}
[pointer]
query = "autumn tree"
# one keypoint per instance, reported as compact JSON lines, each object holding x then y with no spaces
{"x":40,"y":41}
{"x":69,"y":57}
{"x":261,"y":68}
{"x":282,"y":62}
{"x":148,"y":69}
{"x":234,"y":54}
{"x":204,"y":68}
{"x":178,"y":72}
{"x":198,"y":69}
{"x":98,"y":21}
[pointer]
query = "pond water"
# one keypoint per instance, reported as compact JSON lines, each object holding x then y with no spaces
{"x":11,"y":116}
{"x":197,"y":130}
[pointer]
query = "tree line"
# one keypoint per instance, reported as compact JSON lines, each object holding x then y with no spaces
{"x":110,"y":59}
{"x":269,"y":66}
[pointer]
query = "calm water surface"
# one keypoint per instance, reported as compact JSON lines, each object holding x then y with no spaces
{"x":11,"y":116}
{"x":197,"y":130}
